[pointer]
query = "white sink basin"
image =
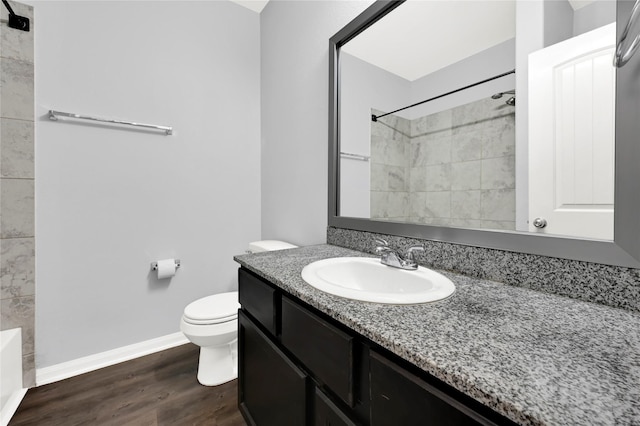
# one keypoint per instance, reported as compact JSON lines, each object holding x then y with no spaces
{"x":366,"y":279}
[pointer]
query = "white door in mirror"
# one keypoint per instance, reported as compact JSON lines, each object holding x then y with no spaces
{"x":368,"y":280}
{"x":571,"y":136}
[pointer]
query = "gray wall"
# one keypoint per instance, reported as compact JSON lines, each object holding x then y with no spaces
{"x":561,"y":22}
{"x":294,"y":87}
{"x":363,"y":87}
{"x":17,"y":179}
{"x":558,"y":21}
{"x":594,"y":16}
{"x":110,"y":200}
{"x":488,"y":63}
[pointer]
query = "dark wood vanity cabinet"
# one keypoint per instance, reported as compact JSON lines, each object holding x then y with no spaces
{"x":299,"y":367}
{"x":326,"y":413}
{"x":272,"y":390}
{"x":399,"y":397}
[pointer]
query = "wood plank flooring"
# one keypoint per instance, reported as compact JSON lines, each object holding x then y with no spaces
{"x":160,"y":389}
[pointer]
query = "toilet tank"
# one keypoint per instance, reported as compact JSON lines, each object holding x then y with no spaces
{"x":268,"y":245}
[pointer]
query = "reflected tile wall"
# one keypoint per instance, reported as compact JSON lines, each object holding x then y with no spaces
{"x":458,"y":167}
{"x":390,"y":151}
{"x":17,"y":231}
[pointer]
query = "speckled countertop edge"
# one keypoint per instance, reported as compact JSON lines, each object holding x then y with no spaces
{"x":536,"y":358}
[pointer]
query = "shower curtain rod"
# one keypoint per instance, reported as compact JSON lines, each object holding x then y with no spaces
{"x":375,"y":117}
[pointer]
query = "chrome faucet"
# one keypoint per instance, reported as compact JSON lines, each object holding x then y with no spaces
{"x":393,"y":258}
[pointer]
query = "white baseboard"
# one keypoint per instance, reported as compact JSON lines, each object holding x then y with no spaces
{"x":10,"y":407}
{"x":85,"y":364}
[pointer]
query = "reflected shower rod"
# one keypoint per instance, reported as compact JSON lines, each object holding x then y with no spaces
{"x":16,"y":21}
{"x":375,"y":117}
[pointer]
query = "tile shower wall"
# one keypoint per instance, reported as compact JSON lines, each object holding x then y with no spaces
{"x":459,"y":167}
{"x":17,"y":248}
{"x":390,"y":144}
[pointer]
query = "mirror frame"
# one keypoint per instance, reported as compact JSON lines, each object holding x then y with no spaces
{"x":624,"y":250}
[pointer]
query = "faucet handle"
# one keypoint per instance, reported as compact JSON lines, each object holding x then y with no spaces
{"x":382,"y":246}
{"x":411,"y":250}
{"x":381,"y":242}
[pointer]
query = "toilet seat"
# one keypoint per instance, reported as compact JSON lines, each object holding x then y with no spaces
{"x":216,"y":309}
{"x":208,"y":321}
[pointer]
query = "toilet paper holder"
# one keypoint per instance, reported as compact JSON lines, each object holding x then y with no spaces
{"x":154,"y":265}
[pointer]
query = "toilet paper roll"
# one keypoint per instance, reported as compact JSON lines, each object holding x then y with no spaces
{"x":166,"y":268}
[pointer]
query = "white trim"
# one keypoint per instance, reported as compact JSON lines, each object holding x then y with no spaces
{"x":85,"y":364}
{"x":11,"y":406}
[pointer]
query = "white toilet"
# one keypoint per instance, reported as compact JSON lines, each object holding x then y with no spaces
{"x":212,"y":324}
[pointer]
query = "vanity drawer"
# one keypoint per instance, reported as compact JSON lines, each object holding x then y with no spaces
{"x":401,"y":398}
{"x":258,"y":298}
{"x":326,"y":351}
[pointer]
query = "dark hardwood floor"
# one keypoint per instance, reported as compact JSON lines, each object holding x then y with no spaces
{"x":158,"y":389}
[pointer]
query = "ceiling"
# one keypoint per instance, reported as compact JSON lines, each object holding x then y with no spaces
{"x":420,"y":37}
{"x":579,"y":4}
{"x":255,"y":5}
{"x":456,"y":29}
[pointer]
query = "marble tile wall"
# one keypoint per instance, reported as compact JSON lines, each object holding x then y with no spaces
{"x":459,"y":168}
{"x":17,"y":179}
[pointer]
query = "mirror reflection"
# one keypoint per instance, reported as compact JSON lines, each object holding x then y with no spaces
{"x":450,"y":115}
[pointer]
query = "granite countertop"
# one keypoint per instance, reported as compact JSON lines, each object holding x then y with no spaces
{"x":536,"y":358}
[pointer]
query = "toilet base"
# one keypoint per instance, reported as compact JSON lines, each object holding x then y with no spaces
{"x":218,"y":364}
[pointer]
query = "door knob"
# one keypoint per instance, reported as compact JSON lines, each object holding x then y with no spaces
{"x":539,"y":222}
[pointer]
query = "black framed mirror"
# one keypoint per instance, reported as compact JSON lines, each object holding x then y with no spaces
{"x":621,"y":246}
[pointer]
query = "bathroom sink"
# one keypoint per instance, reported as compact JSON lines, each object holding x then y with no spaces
{"x":368,"y":280}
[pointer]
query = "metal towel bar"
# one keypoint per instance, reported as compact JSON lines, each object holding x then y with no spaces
{"x":54,"y":115}
{"x":354,"y":156}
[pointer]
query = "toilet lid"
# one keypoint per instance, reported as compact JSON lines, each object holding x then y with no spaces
{"x":213,"y":309}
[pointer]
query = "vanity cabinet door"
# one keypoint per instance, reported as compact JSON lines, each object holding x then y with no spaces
{"x":326,"y":413}
{"x":271,"y":389}
{"x":258,"y":298}
{"x":400,"y":398}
